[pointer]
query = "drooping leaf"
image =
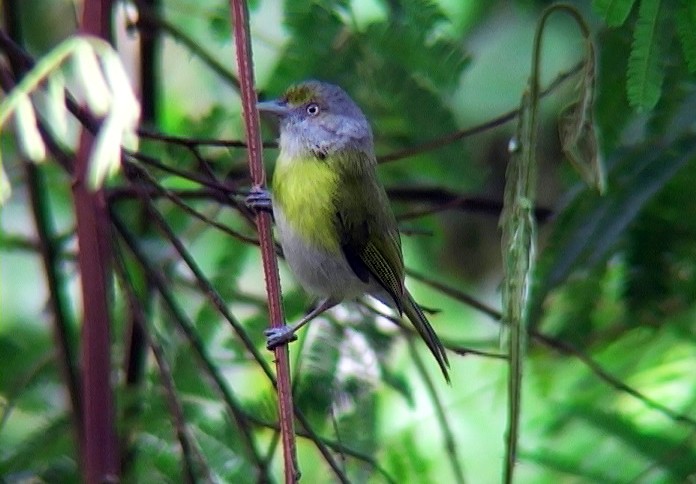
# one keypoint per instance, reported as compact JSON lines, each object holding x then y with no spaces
{"x":645,"y":67}
{"x":577,"y":131}
{"x":614,"y":12}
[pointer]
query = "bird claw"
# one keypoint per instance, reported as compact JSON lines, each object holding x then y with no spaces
{"x":259,"y":199}
{"x":279,"y":336}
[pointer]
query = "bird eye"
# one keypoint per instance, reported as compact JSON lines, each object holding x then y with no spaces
{"x":313,"y":109}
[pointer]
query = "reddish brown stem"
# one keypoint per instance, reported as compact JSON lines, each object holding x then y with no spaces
{"x":240,"y":20}
{"x":100,"y":456}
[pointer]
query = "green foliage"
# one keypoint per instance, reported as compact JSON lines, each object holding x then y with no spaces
{"x":686,"y":28}
{"x":405,"y":62}
{"x":609,"y":359}
{"x":590,"y":226}
{"x":614,"y":12}
{"x":652,"y":44}
{"x":645,"y":69}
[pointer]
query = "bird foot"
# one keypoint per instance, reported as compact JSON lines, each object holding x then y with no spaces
{"x":279,"y":336}
{"x":259,"y":199}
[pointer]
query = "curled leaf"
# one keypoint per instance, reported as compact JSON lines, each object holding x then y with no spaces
{"x":577,"y":130}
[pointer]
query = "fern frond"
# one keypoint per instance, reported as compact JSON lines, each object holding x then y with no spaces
{"x":686,"y":28}
{"x":645,"y":71}
{"x":614,"y":12}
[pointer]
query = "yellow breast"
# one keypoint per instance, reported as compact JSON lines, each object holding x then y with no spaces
{"x":303,"y":188}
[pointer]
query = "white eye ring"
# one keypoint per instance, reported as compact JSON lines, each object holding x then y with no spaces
{"x":313,"y":109}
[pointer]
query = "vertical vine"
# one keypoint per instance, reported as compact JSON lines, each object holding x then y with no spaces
{"x":518,"y":222}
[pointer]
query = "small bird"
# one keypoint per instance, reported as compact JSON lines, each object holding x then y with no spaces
{"x":333,"y":218}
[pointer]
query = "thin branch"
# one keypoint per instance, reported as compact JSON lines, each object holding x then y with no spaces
{"x":158,"y":190}
{"x":409,"y":331}
{"x":456,"y":294}
{"x":562,"y":347}
{"x":215,"y":298}
{"x":568,"y":349}
{"x":333,"y":444}
{"x":480,"y":128}
{"x":62,"y":322}
{"x":240,"y":25}
{"x":196,"y":142}
{"x":184,"y":323}
{"x":207,"y":289}
{"x":19,"y":243}
{"x":189,"y":450}
{"x":155,"y":163}
{"x":444,"y":199}
{"x":445,"y":425}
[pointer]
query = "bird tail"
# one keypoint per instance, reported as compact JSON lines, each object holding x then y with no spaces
{"x":420,"y":322}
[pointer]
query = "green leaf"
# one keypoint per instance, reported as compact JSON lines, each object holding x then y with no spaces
{"x":590,"y":225}
{"x":614,"y":12}
{"x":686,"y":28}
{"x":611,"y":106}
{"x":645,"y":69}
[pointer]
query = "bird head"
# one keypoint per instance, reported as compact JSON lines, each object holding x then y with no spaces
{"x":319,"y":117}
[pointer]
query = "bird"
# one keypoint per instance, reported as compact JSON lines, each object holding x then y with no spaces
{"x":333,"y":218}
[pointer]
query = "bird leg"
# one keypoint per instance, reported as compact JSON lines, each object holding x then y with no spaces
{"x":259,"y":199}
{"x":284,"y":334}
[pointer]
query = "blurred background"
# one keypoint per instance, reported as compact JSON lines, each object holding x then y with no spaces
{"x":609,"y":392}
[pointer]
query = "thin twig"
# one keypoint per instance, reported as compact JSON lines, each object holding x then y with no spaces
{"x":444,"y":199}
{"x":560,"y":346}
{"x":174,"y":198}
{"x":184,"y":323}
{"x":62,"y":322}
{"x":445,"y":425}
{"x":333,"y":444}
{"x":217,"y":301}
{"x":189,"y":450}
{"x":195,"y":142}
{"x":479,"y":128}
{"x":240,"y":25}
{"x":397,"y":155}
{"x":410,"y":332}
{"x":455,"y":293}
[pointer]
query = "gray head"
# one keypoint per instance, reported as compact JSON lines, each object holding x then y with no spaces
{"x":320,"y":118}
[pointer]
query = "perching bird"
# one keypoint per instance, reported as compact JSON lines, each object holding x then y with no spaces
{"x":333,"y":217}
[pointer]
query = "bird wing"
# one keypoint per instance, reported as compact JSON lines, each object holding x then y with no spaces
{"x":368,"y":231}
{"x":370,"y":241}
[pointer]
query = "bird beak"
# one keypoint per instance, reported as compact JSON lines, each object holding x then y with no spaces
{"x":276,"y":107}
